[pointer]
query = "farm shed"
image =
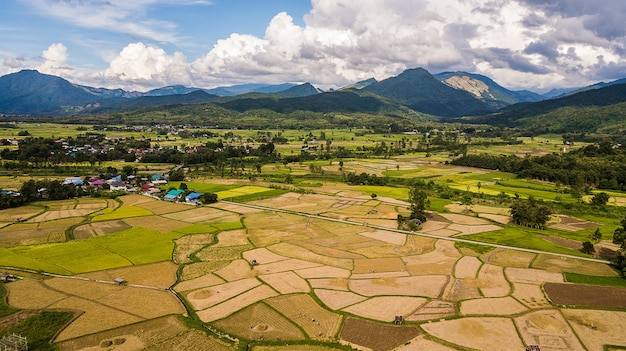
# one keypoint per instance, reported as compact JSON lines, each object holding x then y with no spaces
{"x":533,"y":348}
{"x":173,"y":195}
{"x":193,"y":197}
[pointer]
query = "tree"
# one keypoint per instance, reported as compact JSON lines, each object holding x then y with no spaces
{"x":208,"y":198}
{"x":417,"y":198}
{"x":600,"y":199}
{"x":596,"y":236}
{"x":619,"y":235}
{"x":530,"y":213}
{"x":588,"y":247}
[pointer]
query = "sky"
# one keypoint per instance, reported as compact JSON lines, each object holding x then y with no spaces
{"x":145,"y":44}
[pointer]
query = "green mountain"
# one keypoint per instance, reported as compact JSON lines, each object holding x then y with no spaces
{"x":29,"y":92}
{"x":422,"y":92}
{"x":587,"y":111}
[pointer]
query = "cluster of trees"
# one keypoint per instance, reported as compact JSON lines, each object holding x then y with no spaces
{"x":530,"y":213}
{"x":33,"y":190}
{"x":364,"y":179}
{"x":601,"y":165}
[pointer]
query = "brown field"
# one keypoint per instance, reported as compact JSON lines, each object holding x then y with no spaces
{"x":52,"y":215}
{"x":163,"y":207}
{"x":188,"y":245}
{"x":492,"y":282}
{"x":375,"y":336}
{"x":283,"y":266}
{"x":337,"y":300}
{"x":432,"y":310}
{"x":199,"y":269}
{"x":530,"y":295}
{"x":532,"y":276}
{"x":508,"y":258}
{"x":572,"y":224}
{"x":161,"y":274}
{"x":323,"y":272}
{"x":224,"y":253}
{"x":463,"y":289}
{"x":134,"y":199}
{"x":157,"y":223}
{"x":467,"y":267}
{"x":488,"y":333}
{"x":597,"y":328}
{"x":197,"y":283}
{"x":427,"y":286}
{"x":233,"y":305}
{"x":461,"y":219}
{"x":385,"y":308}
{"x":99,"y":228}
{"x":563,"y":264}
{"x":421,"y":343}
{"x":232,"y":238}
{"x":330,"y":283}
{"x":11,"y":215}
{"x":499,"y":306}
{"x":586,"y":295}
{"x":260,"y":322}
{"x":145,"y":303}
{"x":291,"y":250}
{"x":378,"y":265}
{"x":237,"y":269}
{"x":502,"y":219}
{"x":206,"y":297}
{"x":549,"y":329}
{"x":301,"y":309}
{"x":385,"y":236}
{"x":286,"y":282}
{"x":31,"y":294}
{"x":295,"y":348}
{"x":202,"y":214}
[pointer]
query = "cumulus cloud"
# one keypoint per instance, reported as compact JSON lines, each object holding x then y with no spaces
{"x":54,"y":60}
{"x":519,"y":43}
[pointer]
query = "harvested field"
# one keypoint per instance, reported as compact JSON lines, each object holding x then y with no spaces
{"x":295,"y":348}
{"x":532,"y":276}
{"x":569,"y":243}
{"x":323,"y":272}
{"x":197,"y":283}
{"x":190,"y":244}
{"x":210,"y":296}
{"x":11,"y":215}
{"x":122,"y":212}
{"x":301,"y":253}
{"x":492,"y":282}
{"x":198,"y":269}
{"x":263,"y":256}
{"x":548,"y":329}
{"x":81,"y":288}
{"x":158,"y":223}
{"x":375,"y":336}
{"x":530,"y":295}
{"x":224,"y":253}
{"x":427,"y":286}
{"x":234,"y":208}
{"x":502,"y":219}
{"x":337,"y":300}
{"x":463,"y":289}
{"x":232,"y":238}
{"x":283,"y":266}
{"x":199,"y":214}
{"x":145,"y":303}
{"x":31,"y":294}
{"x":99,"y":228}
{"x":260,"y":322}
{"x":388,"y":237}
{"x":385,"y":308}
{"x":597,"y":328}
{"x":193,"y":340}
{"x":508,"y":258}
{"x":435,"y":262}
{"x":235,"y":304}
{"x":134,"y":199}
{"x":467,"y":267}
{"x":420,"y":343}
{"x":488,"y":333}
{"x":499,"y":306}
{"x":572,"y":224}
{"x":435,"y":309}
{"x":586,"y":295}
{"x":329,"y":283}
{"x":431,"y":226}
{"x":96,"y":318}
{"x":163,"y":207}
{"x":465,"y":229}
{"x":563,"y":264}
{"x":286,"y":282}
{"x":378,"y":265}
{"x":461,"y":219}
{"x":236,"y":270}
{"x":52,"y":215}
{"x":318,"y":323}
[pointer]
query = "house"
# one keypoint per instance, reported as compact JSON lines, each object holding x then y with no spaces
{"x":73,"y":180}
{"x":193,"y":197}
{"x":118,"y":186}
{"x":173,"y":195}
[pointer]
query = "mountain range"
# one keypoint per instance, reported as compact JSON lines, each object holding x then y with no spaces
{"x":414,"y":92}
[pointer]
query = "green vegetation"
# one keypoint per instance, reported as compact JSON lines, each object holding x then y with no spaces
{"x":5,"y":310}
{"x":40,"y":329}
{"x":594,"y":280}
{"x":479,"y":249}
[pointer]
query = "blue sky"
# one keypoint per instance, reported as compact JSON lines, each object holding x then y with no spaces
{"x":143,"y":44}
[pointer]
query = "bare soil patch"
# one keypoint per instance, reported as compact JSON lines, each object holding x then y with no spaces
{"x":160,"y":274}
{"x":480,"y":333}
{"x":530,"y":295}
{"x":197,"y":283}
{"x":502,"y":306}
{"x":492,"y":282}
{"x":210,"y":296}
{"x":420,"y":343}
{"x":496,"y":217}
{"x":99,"y":228}
{"x":463,"y":289}
{"x":236,"y":270}
{"x":473,"y":229}
{"x":318,"y":323}
{"x":461,"y":219}
{"x":597,"y":328}
{"x":232,"y":238}
{"x":586,"y":295}
{"x":532,"y":276}
{"x":336,"y":299}
{"x":199,"y":214}
{"x":388,"y":237}
{"x":376,"y":336}
{"x":385,"y":308}
{"x":258,"y":322}
{"x":467,"y":267}
{"x":372,"y":265}
{"x":286,"y":282}
{"x":548,"y":329}
{"x":435,"y":309}
{"x":331,"y":284}
{"x":323,"y":272}
{"x":569,"y":243}
{"x":427,"y":286}
{"x":235,"y":304}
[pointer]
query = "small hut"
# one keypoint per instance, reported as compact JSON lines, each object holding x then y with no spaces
{"x":533,"y":348}
{"x":398,"y":320}
{"x":119,"y":281}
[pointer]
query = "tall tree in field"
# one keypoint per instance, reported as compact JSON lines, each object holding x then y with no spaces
{"x":417,"y":198}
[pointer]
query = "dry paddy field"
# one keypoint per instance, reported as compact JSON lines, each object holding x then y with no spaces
{"x":287,"y":277}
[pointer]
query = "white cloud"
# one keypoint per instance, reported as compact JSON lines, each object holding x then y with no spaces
{"x":54,"y":60}
{"x":519,"y":43}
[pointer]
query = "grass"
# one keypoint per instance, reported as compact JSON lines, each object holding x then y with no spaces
{"x":40,"y":329}
{"x":595,"y":280}
{"x":228,"y":226}
{"x":385,"y":191}
{"x":438,"y":204}
{"x":196,"y":229}
{"x":479,"y":249}
{"x":5,"y":309}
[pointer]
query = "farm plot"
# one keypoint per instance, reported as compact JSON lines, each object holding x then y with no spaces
{"x":492,"y":282}
{"x":260,"y":322}
{"x":432,"y":310}
{"x":375,"y":336}
{"x":157,"y":223}
{"x":385,"y":308}
{"x":530,"y":295}
{"x":121,"y":213}
{"x":586,"y":295}
{"x":548,"y":329}
{"x":501,"y":306}
{"x":427,"y":286}
{"x":99,"y":228}
{"x":488,"y":333}
{"x":161,"y":274}
{"x":301,"y":309}
{"x":188,"y":245}
{"x":11,"y":215}
{"x":162,"y":207}
{"x":597,"y":328}
{"x":336,"y":299}
{"x":509,"y":258}
{"x":235,"y":304}
{"x":563,"y":264}
{"x":203,"y":214}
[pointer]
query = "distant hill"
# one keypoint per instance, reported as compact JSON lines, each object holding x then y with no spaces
{"x":249,"y":88}
{"x":586,"y":111}
{"x":170,"y":90}
{"x":29,"y":92}
{"x":485,"y":89}
{"x":421,"y":91}
{"x":194,"y":97}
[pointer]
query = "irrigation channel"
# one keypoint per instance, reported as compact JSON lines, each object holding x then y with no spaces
{"x":434,"y":236}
